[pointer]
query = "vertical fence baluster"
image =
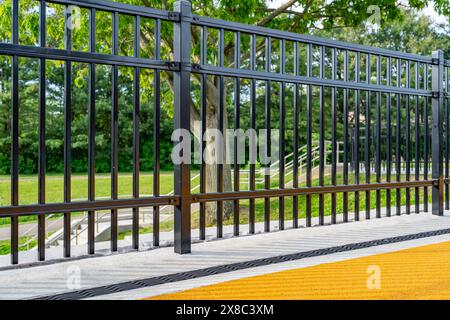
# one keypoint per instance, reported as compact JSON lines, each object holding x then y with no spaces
{"x":252,"y":208}
{"x":220,"y":123}
{"x":237,"y":125}
{"x":322,"y":159}
{"x":136,"y":133}
{"x":156,"y":132}
{"x":408,"y":138}
{"x":203,"y":108}
{"x":91,"y":135}
{"x":281,"y":177}
{"x":437,"y":133}
{"x":417,"y":138}
{"x":268,"y":138}
{"x":282,"y":121}
{"x":115,"y":134}
{"x":309,"y":107}
{"x":356,"y":148}
{"x":389,"y":137}
{"x":426,"y":139}
{"x":397,"y":140}
{"x":203,"y":86}
{"x":296,"y":142}
{"x":378,"y":139}
{"x":345,"y":158}
{"x":67,"y":139}
{"x":334,"y":154}
{"x":15,"y":136}
{"x":182,"y":105}
{"x":367,"y":133}
{"x":42,"y":125}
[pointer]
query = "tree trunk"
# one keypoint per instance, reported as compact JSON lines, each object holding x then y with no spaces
{"x":211,"y":169}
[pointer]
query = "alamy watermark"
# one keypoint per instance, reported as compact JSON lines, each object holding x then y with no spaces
{"x":73,"y":20}
{"x":73,"y":281}
{"x":374,"y":279}
{"x":228,"y":147}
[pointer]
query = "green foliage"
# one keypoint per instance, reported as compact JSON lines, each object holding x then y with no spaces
{"x":29,"y":120}
{"x":411,"y":32}
{"x":400,"y":31}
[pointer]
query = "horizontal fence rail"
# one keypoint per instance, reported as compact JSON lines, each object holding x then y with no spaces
{"x":359,"y":127}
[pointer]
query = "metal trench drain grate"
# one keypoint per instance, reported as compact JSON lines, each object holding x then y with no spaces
{"x":181,"y":276}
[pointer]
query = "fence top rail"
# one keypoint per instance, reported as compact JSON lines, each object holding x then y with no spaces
{"x":307,"y":80}
{"x":279,"y":34}
{"x":83,"y":57}
{"x":118,"y":7}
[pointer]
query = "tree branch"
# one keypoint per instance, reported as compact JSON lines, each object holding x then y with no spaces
{"x":275,"y":13}
{"x":287,"y":11}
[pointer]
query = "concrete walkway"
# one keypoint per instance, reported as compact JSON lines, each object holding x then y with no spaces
{"x":93,"y":273}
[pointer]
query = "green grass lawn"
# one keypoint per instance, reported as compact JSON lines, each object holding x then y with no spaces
{"x":28,"y":194}
{"x":274,"y":211}
{"x":28,"y":188}
{"x":5,"y":245}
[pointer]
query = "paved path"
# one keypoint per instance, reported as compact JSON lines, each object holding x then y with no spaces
{"x":142,"y":267}
{"x":30,"y":228}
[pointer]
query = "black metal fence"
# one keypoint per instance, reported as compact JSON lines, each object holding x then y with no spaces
{"x":342,"y":86}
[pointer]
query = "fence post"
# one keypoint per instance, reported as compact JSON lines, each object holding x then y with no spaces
{"x":182,"y":104}
{"x":437,"y":132}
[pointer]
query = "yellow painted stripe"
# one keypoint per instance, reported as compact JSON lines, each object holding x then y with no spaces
{"x":417,"y":273}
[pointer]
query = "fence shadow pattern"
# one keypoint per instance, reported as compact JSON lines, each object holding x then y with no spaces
{"x":382,"y":113}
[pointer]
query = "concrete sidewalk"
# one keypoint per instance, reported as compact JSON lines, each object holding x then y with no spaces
{"x":118,"y":268}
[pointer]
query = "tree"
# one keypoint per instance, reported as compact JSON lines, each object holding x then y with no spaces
{"x":301,"y":16}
